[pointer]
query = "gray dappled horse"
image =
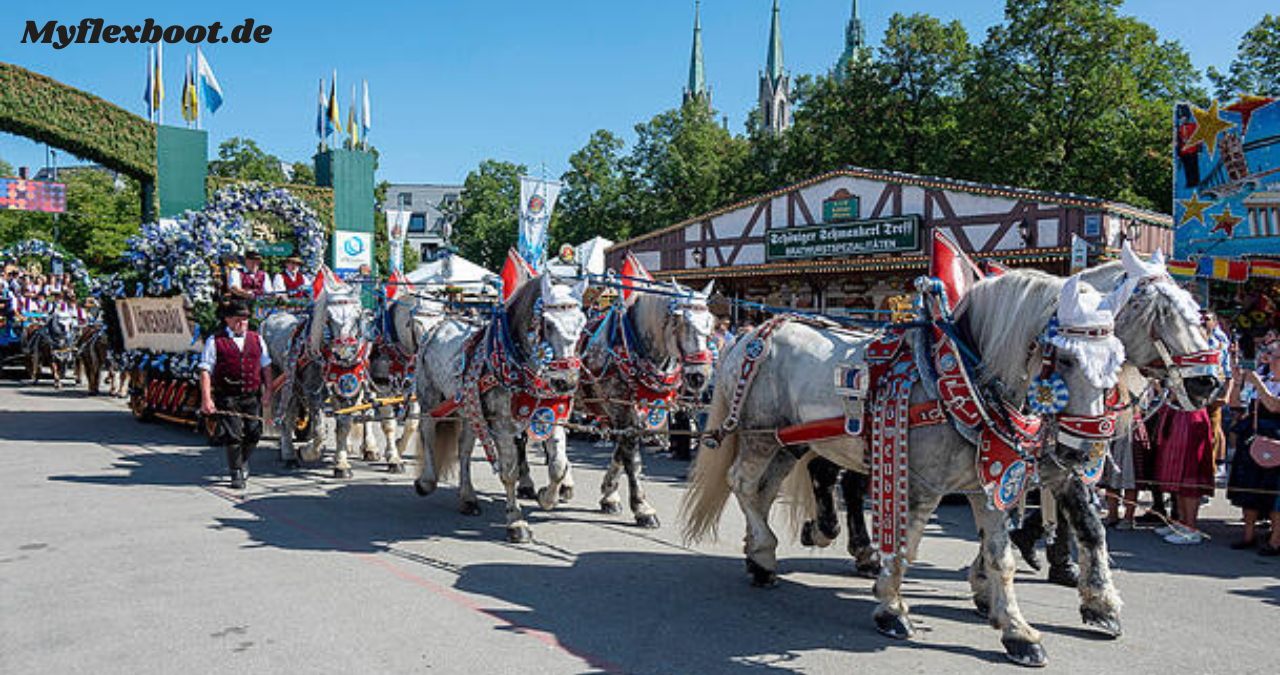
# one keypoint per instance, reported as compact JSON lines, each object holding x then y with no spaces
{"x":525,"y":357}
{"x":1005,"y":317}
{"x":53,"y":342}
{"x":404,"y":321}
{"x":648,"y":350}
{"x":1159,"y":324}
{"x":324,"y":358}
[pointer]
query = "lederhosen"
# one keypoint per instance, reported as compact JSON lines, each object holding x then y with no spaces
{"x":237,"y":384}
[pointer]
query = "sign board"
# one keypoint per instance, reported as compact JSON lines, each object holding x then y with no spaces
{"x":352,"y":251}
{"x":274,"y":249}
{"x":17,"y":194}
{"x":863,"y":237}
{"x":55,"y":267}
{"x":840,"y":210}
{"x":158,"y":324}
{"x":1079,"y":254}
{"x":1226,"y":181}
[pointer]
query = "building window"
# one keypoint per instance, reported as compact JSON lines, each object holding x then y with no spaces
{"x":406,"y":200}
{"x":1092,"y":224}
{"x":418,"y":223}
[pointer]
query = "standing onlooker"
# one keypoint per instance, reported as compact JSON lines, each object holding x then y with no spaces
{"x":1121,"y":478}
{"x":1252,"y":487}
{"x":1184,"y":467}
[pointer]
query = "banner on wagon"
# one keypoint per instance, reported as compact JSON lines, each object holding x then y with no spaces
{"x":157,"y":324}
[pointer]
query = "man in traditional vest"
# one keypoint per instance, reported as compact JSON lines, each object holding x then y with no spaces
{"x":233,"y":379}
{"x":292,"y":282}
{"x":250,"y":282}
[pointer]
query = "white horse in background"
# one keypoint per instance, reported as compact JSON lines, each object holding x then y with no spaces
{"x":515,"y":373}
{"x":636,"y":359}
{"x":1006,"y":318}
{"x":404,"y":322}
{"x":324,"y":357}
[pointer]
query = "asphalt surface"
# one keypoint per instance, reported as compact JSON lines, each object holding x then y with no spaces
{"x":123,"y":551}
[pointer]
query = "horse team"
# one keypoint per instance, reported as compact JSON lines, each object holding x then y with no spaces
{"x":508,"y":382}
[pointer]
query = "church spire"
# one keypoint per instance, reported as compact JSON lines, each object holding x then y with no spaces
{"x":774,"y":61}
{"x":697,"y":87}
{"x":775,"y":83}
{"x":855,"y":44}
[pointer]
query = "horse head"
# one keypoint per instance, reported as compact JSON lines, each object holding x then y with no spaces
{"x":1057,"y":352}
{"x":64,"y":330}
{"x":546,"y":320}
{"x":689,"y":328}
{"x":1162,"y":328}
{"x":339,"y":324}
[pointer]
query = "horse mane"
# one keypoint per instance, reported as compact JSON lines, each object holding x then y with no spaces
{"x":520,"y":312}
{"x":648,"y":315}
{"x":1003,"y":335}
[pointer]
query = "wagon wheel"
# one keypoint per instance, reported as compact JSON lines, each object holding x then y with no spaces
{"x":138,"y":399}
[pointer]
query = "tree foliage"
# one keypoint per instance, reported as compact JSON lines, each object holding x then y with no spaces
{"x":487,"y":218}
{"x":1256,"y":68}
{"x":592,"y":203}
{"x":242,"y":158}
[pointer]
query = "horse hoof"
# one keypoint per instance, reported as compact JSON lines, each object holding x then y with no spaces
{"x":610,"y":508}
{"x":547,"y":500}
{"x":291,"y":465}
{"x":895,"y":626}
{"x":526,"y":492}
{"x":566,"y":493}
{"x":396,"y":467}
{"x":1023,"y":653}
{"x":648,"y":521}
{"x":761,"y":577}
{"x":423,"y":490}
{"x":341,"y":473}
{"x":470,"y":508}
{"x":811,"y":534}
{"x":1110,"y":625}
{"x":519,"y":534}
{"x":982,"y":609}
{"x":867,"y":570}
{"x":370,"y":457}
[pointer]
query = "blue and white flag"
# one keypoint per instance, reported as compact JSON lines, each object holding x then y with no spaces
{"x":207,"y":83}
{"x":365,"y":122}
{"x":537,"y":200}
{"x":321,"y":112}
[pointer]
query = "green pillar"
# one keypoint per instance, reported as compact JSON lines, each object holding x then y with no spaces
{"x":350,"y":174}
{"x":182,"y":166}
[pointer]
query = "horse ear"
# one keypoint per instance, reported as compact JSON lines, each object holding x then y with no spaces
{"x":709,"y":287}
{"x":580,"y":289}
{"x":321,"y":280}
{"x":545,"y":280}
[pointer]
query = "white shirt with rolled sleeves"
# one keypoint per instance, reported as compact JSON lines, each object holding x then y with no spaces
{"x":209,"y":357}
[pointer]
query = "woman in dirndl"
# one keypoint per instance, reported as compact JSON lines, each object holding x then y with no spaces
{"x":1251,"y":487}
{"x":1184,"y":468}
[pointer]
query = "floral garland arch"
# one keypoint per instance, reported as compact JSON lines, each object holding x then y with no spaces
{"x":43,"y":249}
{"x":182,"y":253}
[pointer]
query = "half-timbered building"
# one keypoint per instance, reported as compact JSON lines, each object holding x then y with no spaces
{"x":847,"y":241}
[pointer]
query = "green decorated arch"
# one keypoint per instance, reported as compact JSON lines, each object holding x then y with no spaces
{"x":47,"y":111}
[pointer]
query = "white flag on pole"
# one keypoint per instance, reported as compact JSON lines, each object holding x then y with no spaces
{"x":537,"y":201}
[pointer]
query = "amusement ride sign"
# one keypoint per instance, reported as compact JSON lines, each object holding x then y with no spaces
{"x":861,"y":237}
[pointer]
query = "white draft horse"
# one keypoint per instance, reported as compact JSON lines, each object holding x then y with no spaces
{"x":324,"y":357}
{"x":492,"y":383}
{"x":1007,"y":319}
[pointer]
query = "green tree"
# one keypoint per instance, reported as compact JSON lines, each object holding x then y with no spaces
{"x":100,"y":216}
{"x":592,"y":203}
{"x":486,"y":227}
{"x":242,"y":158}
{"x":1256,"y":68}
{"x":1068,"y":95}
{"x":303,"y":174}
{"x":683,"y":164}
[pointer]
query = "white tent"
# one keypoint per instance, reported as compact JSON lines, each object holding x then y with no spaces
{"x":461,"y":272}
{"x":589,"y":254}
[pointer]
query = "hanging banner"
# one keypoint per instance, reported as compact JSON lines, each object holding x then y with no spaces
{"x":397,"y":228}
{"x":537,"y":200}
{"x":17,"y":194}
{"x":1079,"y":254}
{"x":1226,"y":189}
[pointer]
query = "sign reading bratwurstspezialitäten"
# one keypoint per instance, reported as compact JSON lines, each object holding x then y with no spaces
{"x":863,"y":237}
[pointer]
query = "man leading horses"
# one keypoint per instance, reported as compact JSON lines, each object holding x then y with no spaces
{"x":233,"y":379}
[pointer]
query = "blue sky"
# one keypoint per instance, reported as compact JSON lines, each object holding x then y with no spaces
{"x":455,"y":82}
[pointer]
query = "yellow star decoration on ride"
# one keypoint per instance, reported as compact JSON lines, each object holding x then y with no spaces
{"x":1194,"y":209}
{"x":1225,"y":221}
{"x":1208,"y":126}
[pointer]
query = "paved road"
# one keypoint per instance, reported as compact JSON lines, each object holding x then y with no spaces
{"x":121,"y":551}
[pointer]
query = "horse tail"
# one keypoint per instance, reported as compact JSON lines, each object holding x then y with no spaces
{"x":797,"y":492}
{"x":708,"y":491}
{"x":444,"y":451}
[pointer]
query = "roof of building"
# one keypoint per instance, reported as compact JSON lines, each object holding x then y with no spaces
{"x":773,"y":63}
{"x":954,"y":184}
{"x":697,"y":74}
